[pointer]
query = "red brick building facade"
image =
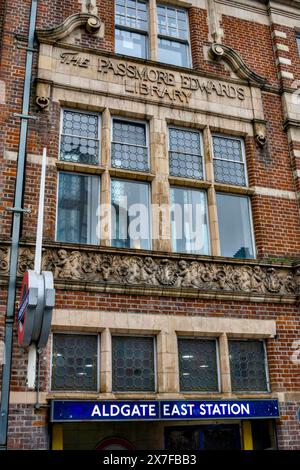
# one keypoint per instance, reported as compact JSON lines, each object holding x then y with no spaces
{"x":238,"y":81}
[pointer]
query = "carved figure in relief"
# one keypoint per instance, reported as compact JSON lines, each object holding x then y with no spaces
{"x":148,"y":271}
{"x":67,"y":266}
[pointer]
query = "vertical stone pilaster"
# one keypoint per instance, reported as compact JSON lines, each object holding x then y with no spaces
{"x":161,"y":219}
{"x":106,"y":366}
{"x":211,"y":194}
{"x":153,"y":30}
{"x":224,"y":364}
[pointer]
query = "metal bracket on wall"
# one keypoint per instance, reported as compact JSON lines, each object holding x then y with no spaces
{"x":18,"y":210}
{"x":24,"y":116}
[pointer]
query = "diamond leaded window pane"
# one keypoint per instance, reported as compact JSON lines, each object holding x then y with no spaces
{"x":198,"y":365}
{"x":247,"y":366}
{"x":129,"y":146}
{"x":74,"y":362}
{"x":229,"y":166}
{"x":185,"y":153}
{"x":80,"y":138}
{"x":133,"y":364}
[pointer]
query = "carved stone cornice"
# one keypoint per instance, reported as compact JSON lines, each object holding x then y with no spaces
{"x":92,"y":24}
{"x":236,"y":62}
{"x":108,"y":269}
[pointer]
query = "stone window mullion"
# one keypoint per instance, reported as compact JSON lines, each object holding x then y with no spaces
{"x":105,"y":222}
{"x":160,"y":188}
{"x":211,"y":193}
{"x":224,"y":364}
{"x":152,"y":30}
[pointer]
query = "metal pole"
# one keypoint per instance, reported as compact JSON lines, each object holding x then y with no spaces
{"x":32,"y":353}
{"x":16,"y":226}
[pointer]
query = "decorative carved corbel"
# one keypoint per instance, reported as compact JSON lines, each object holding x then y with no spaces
{"x":260,"y":132}
{"x":236,"y":62}
{"x":43,"y":91}
{"x":92,"y":24}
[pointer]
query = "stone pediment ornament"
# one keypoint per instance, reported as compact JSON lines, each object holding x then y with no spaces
{"x":92,"y":24}
{"x":236,"y":62}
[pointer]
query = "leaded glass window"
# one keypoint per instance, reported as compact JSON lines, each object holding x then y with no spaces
{"x":129,"y":145}
{"x":131,"y":32}
{"x":235,"y":226}
{"x":130,"y":214}
{"x":189,"y":221}
{"x":229,"y":163}
{"x":78,"y":200}
{"x":248,"y":366}
{"x":173,"y":35}
{"x":185,"y":157}
{"x":74,"y":362}
{"x":133,"y":364}
{"x":198,"y":368}
{"x":80,"y":135}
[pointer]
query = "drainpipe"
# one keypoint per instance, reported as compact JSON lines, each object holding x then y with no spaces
{"x":17,"y":211}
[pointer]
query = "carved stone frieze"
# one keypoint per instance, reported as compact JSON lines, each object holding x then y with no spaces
{"x":115,"y":268}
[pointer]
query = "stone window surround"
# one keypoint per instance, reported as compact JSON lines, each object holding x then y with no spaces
{"x":166,"y":329}
{"x":159,"y":174}
{"x":153,"y":29}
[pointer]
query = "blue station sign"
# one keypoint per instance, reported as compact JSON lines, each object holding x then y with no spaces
{"x":161,"y":410}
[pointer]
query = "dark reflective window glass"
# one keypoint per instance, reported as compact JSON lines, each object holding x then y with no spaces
{"x":248,"y":366}
{"x":129,"y":146}
{"x":229,"y":165}
{"x":78,"y":199}
{"x":74,"y":362}
{"x":133,"y":363}
{"x":80,"y":138}
{"x":185,"y":157}
{"x":198,"y":368}
{"x":235,"y":227}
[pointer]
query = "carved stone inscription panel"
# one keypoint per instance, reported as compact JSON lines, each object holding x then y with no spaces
{"x":154,"y":83}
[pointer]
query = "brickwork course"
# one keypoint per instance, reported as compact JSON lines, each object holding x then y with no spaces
{"x":262,"y":33}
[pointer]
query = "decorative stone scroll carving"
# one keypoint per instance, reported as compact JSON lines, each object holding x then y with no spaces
{"x":159,"y":272}
{"x":234,"y":59}
{"x":92,"y":24}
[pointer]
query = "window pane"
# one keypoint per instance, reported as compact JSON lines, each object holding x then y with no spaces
{"x":78,"y":199}
{"x":247,"y":366}
{"x":198,"y":365}
{"x":132,"y":44}
{"x":298,"y":43}
{"x":132,"y":13}
{"x":173,"y":52}
{"x":74,"y":362}
{"x":229,"y":165}
{"x":129,"y":148}
{"x":80,"y":138}
{"x":189,"y":221}
{"x":172,"y":21}
{"x":235,"y":226}
{"x":185,"y":153}
{"x":133,"y":364}
{"x":130,"y":214}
